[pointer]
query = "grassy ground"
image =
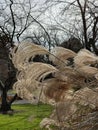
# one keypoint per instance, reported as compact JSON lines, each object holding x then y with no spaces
{"x":26,"y":117}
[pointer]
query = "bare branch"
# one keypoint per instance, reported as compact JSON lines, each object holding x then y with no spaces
{"x":14,"y":24}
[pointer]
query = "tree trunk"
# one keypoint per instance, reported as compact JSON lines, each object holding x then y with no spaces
{"x":5,"y":106}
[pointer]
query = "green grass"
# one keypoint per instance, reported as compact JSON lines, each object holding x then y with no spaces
{"x":26,"y":117}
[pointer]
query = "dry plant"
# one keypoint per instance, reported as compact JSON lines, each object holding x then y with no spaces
{"x":70,"y":81}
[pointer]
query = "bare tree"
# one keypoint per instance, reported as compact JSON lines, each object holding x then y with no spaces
{"x":77,"y":18}
{"x":15,"y":19}
{"x":44,"y":36}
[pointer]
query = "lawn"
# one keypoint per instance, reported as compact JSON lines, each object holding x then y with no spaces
{"x":26,"y":117}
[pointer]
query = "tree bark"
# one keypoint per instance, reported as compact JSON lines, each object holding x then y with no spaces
{"x":4,"y":104}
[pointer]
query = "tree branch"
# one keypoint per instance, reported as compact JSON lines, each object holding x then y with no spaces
{"x":13,"y":20}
